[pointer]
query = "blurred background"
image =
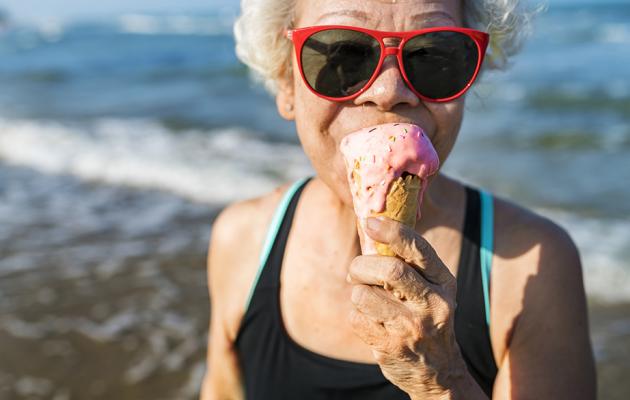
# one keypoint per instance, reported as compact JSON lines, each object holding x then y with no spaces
{"x":119,"y":129}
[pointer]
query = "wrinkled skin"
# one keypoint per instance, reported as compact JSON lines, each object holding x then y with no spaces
{"x":405,"y":309}
{"x":404,"y":306}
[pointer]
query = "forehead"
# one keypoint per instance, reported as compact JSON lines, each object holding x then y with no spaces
{"x":396,"y":15}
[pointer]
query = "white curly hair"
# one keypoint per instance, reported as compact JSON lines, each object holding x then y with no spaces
{"x":261,"y":45}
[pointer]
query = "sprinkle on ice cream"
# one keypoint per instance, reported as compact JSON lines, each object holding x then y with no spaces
{"x":378,"y":155}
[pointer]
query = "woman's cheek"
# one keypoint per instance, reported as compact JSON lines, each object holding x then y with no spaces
{"x":448,"y":119}
{"x":322,"y":150}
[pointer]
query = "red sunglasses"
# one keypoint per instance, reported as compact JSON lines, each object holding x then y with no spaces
{"x":340,"y":62}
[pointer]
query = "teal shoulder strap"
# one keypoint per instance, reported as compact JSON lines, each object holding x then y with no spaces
{"x":276,"y":221}
{"x":487,"y":242}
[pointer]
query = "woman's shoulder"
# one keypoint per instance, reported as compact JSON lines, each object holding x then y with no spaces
{"x":240,"y":228}
{"x":535,"y":262}
{"x":236,"y":240}
{"x":528,"y":244}
{"x":519,"y":230}
{"x":241,"y":223}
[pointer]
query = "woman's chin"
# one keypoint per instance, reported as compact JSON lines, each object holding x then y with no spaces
{"x":338,"y":189}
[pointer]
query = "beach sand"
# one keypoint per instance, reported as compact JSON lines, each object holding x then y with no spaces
{"x":610,"y":335}
{"x":114,"y":337}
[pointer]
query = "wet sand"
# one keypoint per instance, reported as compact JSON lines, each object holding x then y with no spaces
{"x":610,"y":335}
{"x":114,"y":337}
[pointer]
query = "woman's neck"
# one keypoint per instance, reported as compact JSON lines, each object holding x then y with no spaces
{"x":439,"y":203}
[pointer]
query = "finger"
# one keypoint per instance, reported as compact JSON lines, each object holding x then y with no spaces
{"x":391,"y":273}
{"x":411,"y":247}
{"x":367,"y":328}
{"x":376,"y":303}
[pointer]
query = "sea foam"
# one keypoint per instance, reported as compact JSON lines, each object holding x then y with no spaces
{"x":215,"y":166}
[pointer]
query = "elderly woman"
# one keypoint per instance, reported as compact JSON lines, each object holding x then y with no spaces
{"x":483,"y":298}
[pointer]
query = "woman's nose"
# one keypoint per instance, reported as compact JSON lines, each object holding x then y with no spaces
{"x":389,"y":89}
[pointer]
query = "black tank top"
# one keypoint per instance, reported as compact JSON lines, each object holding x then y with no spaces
{"x":274,"y":367}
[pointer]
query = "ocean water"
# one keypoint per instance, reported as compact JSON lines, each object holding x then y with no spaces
{"x":120,"y":139}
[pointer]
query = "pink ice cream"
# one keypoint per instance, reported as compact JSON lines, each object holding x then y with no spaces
{"x":378,"y":155}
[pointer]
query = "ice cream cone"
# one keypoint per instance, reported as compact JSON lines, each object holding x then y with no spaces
{"x":401,"y":205}
{"x":388,"y":166}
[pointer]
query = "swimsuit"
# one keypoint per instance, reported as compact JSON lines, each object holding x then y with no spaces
{"x":275,"y":367}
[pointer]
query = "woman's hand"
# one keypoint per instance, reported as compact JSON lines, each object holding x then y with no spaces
{"x":404,"y":309}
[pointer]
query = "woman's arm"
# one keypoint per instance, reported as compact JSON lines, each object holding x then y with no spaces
{"x":233,"y":256}
{"x":549,"y":355}
{"x":222,"y":380}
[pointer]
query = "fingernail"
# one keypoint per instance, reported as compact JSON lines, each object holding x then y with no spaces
{"x":374,"y":224}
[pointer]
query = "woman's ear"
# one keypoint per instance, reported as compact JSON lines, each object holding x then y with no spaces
{"x":285,"y":98}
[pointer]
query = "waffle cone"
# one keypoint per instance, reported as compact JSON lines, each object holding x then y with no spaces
{"x":401,"y":205}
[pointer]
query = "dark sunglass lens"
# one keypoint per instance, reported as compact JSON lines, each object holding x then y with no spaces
{"x":339,"y":62}
{"x":440,"y":64}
